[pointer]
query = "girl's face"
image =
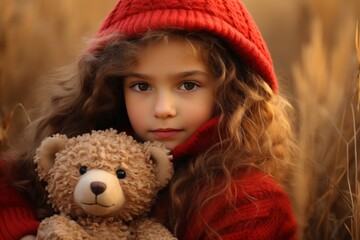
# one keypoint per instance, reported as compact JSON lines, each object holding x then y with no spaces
{"x":168,"y":93}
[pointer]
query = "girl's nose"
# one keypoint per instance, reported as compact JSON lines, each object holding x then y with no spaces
{"x":165,"y":106}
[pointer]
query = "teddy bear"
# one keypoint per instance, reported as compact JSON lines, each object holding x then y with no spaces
{"x":101,"y":185}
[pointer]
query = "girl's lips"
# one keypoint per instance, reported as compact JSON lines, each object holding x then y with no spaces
{"x":165,"y":133}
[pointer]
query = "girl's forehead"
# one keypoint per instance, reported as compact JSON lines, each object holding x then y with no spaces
{"x":169,"y":56}
{"x":172,"y":47}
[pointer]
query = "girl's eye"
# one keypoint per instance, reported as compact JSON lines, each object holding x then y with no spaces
{"x":82,"y":170}
{"x":141,"y":87}
{"x":189,"y":86}
{"x":120,"y":173}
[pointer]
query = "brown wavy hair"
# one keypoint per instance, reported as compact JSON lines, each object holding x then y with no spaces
{"x":254,"y":122}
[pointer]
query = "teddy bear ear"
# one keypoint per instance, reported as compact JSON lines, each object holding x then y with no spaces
{"x":45,"y":154}
{"x":160,"y":155}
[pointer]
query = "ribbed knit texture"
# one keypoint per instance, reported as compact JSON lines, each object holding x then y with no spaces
{"x":16,"y":217}
{"x":261,"y":211}
{"x":228,"y":19}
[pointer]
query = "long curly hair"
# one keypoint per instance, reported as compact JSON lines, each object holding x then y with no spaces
{"x":254,"y":127}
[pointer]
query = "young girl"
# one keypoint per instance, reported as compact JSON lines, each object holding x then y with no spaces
{"x":196,"y":76}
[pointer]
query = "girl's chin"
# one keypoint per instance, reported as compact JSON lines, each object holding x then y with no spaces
{"x":169,"y":145}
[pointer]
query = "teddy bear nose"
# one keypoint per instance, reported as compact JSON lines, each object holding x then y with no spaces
{"x":98,"y":187}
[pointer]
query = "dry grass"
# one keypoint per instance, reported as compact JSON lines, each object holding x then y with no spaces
{"x":357,"y":47}
{"x":5,"y":123}
{"x":326,"y":197}
{"x":35,"y":37}
{"x":279,"y":23}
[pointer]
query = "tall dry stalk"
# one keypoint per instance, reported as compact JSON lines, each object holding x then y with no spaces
{"x":327,"y":185}
{"x":357,"y":47}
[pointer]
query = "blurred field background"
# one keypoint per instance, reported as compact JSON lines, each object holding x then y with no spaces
{"x":313,"y":47}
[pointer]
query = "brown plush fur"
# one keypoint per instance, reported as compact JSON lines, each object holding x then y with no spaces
{"x":125,"y":200}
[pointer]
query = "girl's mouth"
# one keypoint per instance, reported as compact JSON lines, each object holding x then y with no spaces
{"x":165,"y":133}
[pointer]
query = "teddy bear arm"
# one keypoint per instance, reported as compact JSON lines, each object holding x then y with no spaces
{"x":60,"y":227}
{"x":149,"y":229}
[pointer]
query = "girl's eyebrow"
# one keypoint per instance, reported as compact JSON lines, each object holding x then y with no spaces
{"x":175,"y":75}
{"x":191,"y":74}
{"x":137,"y":75}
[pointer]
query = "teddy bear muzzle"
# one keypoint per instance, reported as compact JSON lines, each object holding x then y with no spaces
{"x":99,"y":193}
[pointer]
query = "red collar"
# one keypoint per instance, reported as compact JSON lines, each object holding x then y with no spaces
{"x":200,"y":141}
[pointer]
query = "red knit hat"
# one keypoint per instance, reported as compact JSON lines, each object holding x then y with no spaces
{"x":227,"y":19}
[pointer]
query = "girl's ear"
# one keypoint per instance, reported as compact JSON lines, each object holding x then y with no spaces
{"x":46,"y":153}
{"x":160,"y":155}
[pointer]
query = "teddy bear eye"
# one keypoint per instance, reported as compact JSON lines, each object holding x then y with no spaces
{"x":83,"y":170}
{"x":120,"y":174}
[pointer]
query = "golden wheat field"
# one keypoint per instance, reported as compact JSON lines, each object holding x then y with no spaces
{"x":315,"y":48}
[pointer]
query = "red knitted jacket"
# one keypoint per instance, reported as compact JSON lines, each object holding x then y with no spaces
{"x":16,"y":216}
{"x":262,"y":209}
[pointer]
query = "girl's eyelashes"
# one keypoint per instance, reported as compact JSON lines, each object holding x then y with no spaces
{"x":140,"y":87}
{"x":183,"y":86}
{"x":189,"y":86}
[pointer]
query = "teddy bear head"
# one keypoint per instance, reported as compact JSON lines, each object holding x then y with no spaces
{"x":102,"y":174}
